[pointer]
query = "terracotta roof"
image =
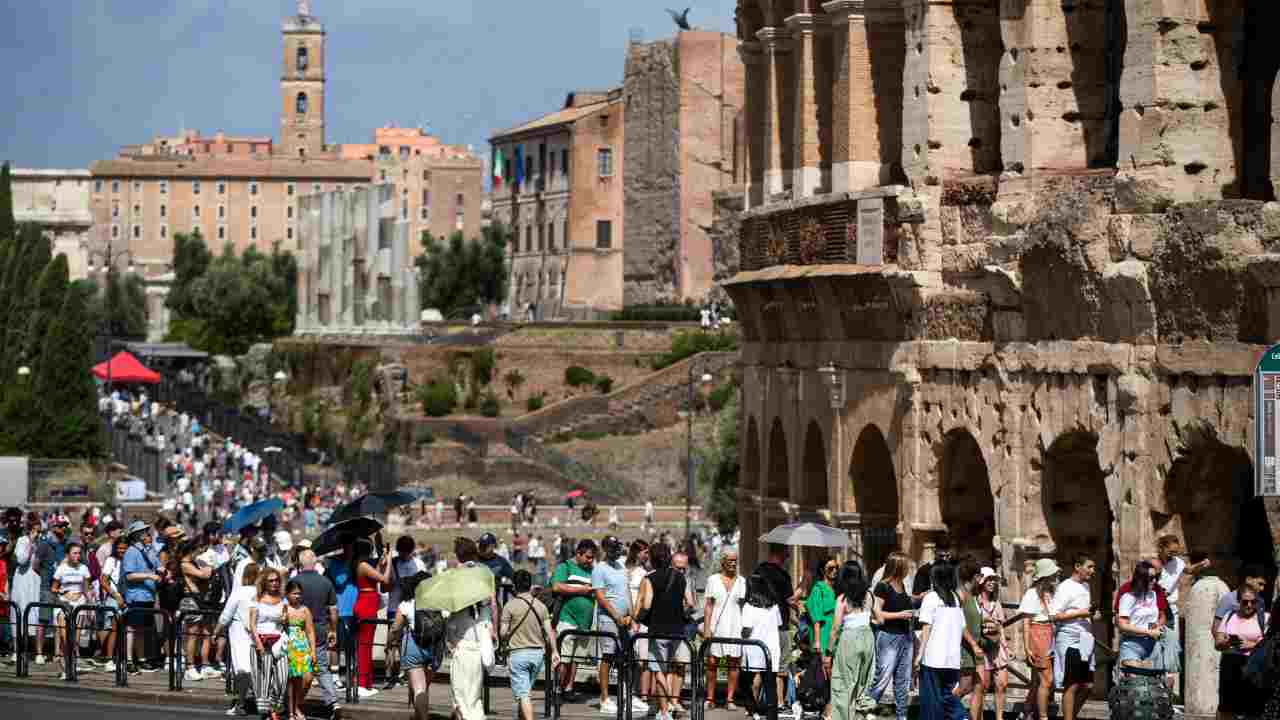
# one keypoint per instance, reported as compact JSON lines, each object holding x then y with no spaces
{"x":234,"y":167}
{"x":559,"y":117}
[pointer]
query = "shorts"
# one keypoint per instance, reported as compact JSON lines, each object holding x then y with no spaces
{"x":1040,"y":646}
{"x":607,"y":646}
{"x":1139,"y":649}
{"x":46,"y":614}
{"x":575,"y":647}
{"x":140,"y":619}
{"x":189,"y":605}
{"x":1076,"y":670}
{"x":663,"y":654}
{"x":524,"y":665}
{"x":415,"y":657}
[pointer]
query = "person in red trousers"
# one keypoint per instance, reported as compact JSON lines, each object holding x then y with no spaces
{"x":368,"y":581}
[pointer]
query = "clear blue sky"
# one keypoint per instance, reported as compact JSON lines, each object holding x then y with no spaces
{"x":79,"y":78}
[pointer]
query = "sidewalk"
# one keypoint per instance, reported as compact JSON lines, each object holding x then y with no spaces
{"x":153,"y":689}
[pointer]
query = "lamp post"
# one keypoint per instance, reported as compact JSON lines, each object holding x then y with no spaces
{"x":688,"y":491}
{"x":109,"y":259}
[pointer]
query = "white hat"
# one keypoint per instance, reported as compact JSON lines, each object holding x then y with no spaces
{"x":284,"y":541}
{"x":987,"y":572}
{"x":304,"y":543}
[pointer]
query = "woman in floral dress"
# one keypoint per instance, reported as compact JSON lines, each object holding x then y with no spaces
{"x":301,"y":649}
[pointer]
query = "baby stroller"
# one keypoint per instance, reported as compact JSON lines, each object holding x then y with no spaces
{"x":813,"y":689}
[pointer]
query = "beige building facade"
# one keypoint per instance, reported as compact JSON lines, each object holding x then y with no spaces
{"x":560,"y":193}
{"x":57,"y":201}
{"x":991,"y":292}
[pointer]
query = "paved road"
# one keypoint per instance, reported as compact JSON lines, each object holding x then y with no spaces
{"x":58,"y":707}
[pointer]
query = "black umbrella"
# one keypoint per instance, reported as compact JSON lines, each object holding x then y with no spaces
{"x":374,"y":504}
{"x":330,"y":539}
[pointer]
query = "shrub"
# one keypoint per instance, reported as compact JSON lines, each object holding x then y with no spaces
{"x":514,"y":379}
{"x":438,"y":398}
{"x":575,"y":376}
{"x":482,"y":362}
{"x":535,"y":402}
{"x":659,"y":313}
{"x":604,"y":384}
{"x":688,"y":344}
{"x":489,"y":406}
{"x":425,"y":436}
{"x":720,"y":397}
{"x":589,"y":434}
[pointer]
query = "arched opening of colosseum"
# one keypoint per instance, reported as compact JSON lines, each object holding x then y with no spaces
{"x":1073,"y":495}
{"x":1097,"y":34}
{"x":777,"y":484}
{"x":981,"y":49}
{"x":1247,"y":60}
{"x":813,"y":488}
{"x":1209,"y":490}
{"x":750,"y":474}
{"x":968,"y":508}
{"x":873,"y":488}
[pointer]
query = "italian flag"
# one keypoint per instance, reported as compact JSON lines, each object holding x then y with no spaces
{"x":497,"y":168}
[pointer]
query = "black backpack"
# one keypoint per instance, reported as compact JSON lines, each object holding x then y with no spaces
{"x":216,"y":589}
{"x":428,"y":628}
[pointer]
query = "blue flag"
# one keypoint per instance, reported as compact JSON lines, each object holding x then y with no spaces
{"x":519,"y":164}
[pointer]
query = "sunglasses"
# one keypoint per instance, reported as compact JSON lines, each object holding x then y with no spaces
{"x":1249,"y":603}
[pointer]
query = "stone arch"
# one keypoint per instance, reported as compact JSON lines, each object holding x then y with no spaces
{"x":1077,"y":511}
{"x":777,"y":484}
{"x":968,"y":507}
{"x":1210,"y":502}
{"x":873,"y":490}
{"x":751,"y":479}
{"x":813,"y":478}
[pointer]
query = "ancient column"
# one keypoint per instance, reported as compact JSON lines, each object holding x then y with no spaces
{"x":752,"y":56}
{"x":806,"y":176}
{"x":776,"y":48}
{"x":853,"y":100}
{"x":1201,"y":679}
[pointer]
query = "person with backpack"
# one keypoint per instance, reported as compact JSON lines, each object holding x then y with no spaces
{"x":1236,"y":637}
{"x":418,"y":661}
{"x":528,"y":641}
{"x":202,"y":591}
{"x":761,"y":621}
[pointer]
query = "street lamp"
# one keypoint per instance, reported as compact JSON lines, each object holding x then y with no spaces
{"x":833,"y":377}
{"x":109,"y":258}
{"x":24,"y":371}
{"x":688,"y":491}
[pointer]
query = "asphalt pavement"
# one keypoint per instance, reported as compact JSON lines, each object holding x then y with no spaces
{"x":64,"y":707}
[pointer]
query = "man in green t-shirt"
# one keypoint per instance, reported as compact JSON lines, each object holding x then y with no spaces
{"x":971,"y":652}
{"x":572,"y":582}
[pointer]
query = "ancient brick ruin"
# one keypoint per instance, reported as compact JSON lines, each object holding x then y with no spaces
{"x":1006,"y":270}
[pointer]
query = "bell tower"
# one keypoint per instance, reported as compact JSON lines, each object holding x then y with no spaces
{"x":302,"y":85}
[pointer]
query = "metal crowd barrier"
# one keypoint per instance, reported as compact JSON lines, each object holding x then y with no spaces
{"x":619,"y":659}
{"x":624,"y":708}
{"x":353,"y":664}
{"x":177,"y":652}
{"x":14,"y":623}
{"x":697,"y":709}
{"x":26,"y":626}
{"x":73,"y":634}
{"x":122,"y":665}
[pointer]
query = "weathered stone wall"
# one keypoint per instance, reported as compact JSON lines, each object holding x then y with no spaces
{"x":651,"y":91}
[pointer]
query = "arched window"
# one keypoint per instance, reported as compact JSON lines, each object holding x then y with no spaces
{"x":301,"y":62}
{"x":302,"y":103}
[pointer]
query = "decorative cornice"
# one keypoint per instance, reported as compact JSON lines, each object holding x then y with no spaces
{"x":775,"y":39}
{"x":751,"y":51}
{"x":801,"y":22}
{"x":841,"y":10}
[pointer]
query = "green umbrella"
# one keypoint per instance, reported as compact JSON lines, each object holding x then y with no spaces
{"x":455,"y":589}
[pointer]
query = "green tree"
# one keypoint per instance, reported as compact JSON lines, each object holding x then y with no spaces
{"x":121,"y":308}
{"x":718,"y":473}
{"x":36,"y":254}
{"x":456,"y":273}
{"x":7,"y":223}
{"x":66,"y":400}
{"x":191,"y":258}
{"x":49,"y":294}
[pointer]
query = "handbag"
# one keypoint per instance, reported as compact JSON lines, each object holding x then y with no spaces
{"x":280,"y":646}
{"x":487,"y":653}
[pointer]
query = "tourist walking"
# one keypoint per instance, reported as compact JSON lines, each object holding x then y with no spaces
{"x":235,"y":620}
{"x":26,"y":576}
{"x":663,"y":596}
{"x":761,"y":621}
{"x":301,"y":650}
{"x":530,"y":638}
{"x":993,"y":672}
{"x":321,"y":599}
{"x":266,"y":625}
{"x":1037,"y":635}
{"x":722,"y":617}
{"x":1140,"y":620}
{"x":465,"y":633}
{"x":1073,"y":647}
{"x":1237,"y":635}
{"x":895,"y":643}
{"x":849,"y":657}
{"x":419,"y":663}
{"x":941,"y":636}
{"x":972,"y":654}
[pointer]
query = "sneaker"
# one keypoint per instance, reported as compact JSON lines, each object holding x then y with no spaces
{"x":235,"y":711}
{"x":609,"y":707}
{"x":217,"y":666}
{"x":211,"y":673}
{"x":639,"y":706}
{"x":133,"y":669}
{"x":62,"y":675}
{"x":193,"y":675}
{"x":797,"y":711}
{"x":366,"y":692}
{"x":40,"y":660}
{"x":152,"y":667}
{"x":110,"y":667}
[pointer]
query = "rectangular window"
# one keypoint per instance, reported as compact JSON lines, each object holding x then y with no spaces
{"x":97,"y":186}
{"x":551,"y":236}
{"x":222,"y":188}
{"x":253,"y":211}
{"x":164,"y":210}
{"x":115,"y":231}
{"x":253,"y":232}
{"x":289,"y":189}
{"x":423,"y":212}
{"x":315,"y":187}
{"x":604,"y":234}
{"x":164,"y":187}
{"x":164,"y":231}
{"x":195,"y":187}
{"x":528,"y":238}
{"x":222,"y":232}
{"x":137,"y":231}
{"x":542,"y":239}
{"x":289,"y":233}
{"x":604,"y":162}
{"x":564,"y":161}
{"x":137,"y":186}
{"x":289,"y":213}
{"x":253,"y":188}
{"x":195,"y":211}
{"x":222,"y":211}
{"x":115,"y":186}
{"x":137,"y":209}
{"x":115,"y":209}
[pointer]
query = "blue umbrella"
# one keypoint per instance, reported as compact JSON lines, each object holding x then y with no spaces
{"x":252,"y":514}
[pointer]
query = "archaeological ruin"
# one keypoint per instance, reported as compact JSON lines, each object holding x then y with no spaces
{"x":1006,"y":269}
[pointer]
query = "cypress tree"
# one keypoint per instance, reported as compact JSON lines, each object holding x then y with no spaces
{"x":36,"y":256}
{"x":64,"y":390}
{"x":7,"y":224}
{"x":50,"y":292}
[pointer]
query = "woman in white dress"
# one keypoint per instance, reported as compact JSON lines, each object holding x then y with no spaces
{"x":26,"y":577}
{"x":235,"y":616}
{"x":637,"y":567}
{"x":722,"y":617}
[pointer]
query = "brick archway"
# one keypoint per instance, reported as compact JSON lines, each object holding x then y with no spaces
{"x":968,"y":507}
{"x":873,"y":495}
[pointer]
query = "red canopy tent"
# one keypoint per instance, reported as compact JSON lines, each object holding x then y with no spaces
{"x":126,"y":369}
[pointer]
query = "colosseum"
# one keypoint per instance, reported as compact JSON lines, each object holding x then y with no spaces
{"x":1007,"y":267}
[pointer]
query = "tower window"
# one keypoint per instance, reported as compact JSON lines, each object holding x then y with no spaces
{"x":253,"y":233}
{"x":289,"y":233}
{"x":222,"y":211}
{"x":97,"y":186}
{"x":604,"y":234}
{"x":115,"y":209}
{"x":164,"y":210}
{"x":137,"y":231}
{"x":195,"y":187}
{"x":115,"y":186}
{"x":302,"y":103}
{"x":164,"y":187}
{"x":289,"y":189}
{"x":137,"y":186}
{"x":222,"y":232}
{"x":604,"y":162}
{"x":289,"y":214}
{"x":195,"y":211}
{"x":301,"y":62}
{"x":253,"y":211}
{"x":253,"y":188}
{"x":137,"y":209}
{"x":115,"y":231}
{"x":164,"y":231}
{"x":222,"y":188}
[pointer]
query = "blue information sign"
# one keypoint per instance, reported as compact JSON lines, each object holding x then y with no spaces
{"x":1266,"y":392}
